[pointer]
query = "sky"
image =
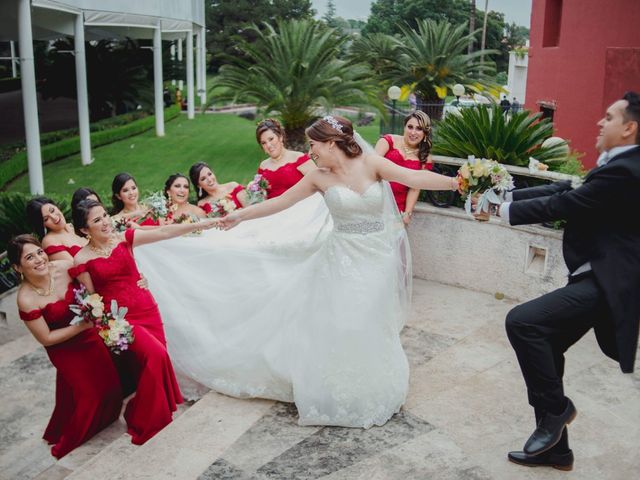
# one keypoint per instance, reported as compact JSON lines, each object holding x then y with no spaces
{"x":518,"y":11}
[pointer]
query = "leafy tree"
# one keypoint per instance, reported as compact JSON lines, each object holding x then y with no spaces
{"x":391,"y":16}
{"x":229,"y":19}
{"x":293,"y":70}
{"x":330,"y":16}
{"x":433,"y":58}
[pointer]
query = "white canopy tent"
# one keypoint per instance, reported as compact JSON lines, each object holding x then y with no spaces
{"x":24,"y":20}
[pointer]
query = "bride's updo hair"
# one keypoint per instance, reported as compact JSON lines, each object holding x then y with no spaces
{"x":338,"y":129}
{"x":270,"y":124}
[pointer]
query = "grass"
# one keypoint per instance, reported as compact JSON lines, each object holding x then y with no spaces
{"x":225,"y":141}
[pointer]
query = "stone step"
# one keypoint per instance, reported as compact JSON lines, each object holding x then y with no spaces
{"x":184,"y":449}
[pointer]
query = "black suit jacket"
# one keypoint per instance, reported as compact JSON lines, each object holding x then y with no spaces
{"x":603,"y":227}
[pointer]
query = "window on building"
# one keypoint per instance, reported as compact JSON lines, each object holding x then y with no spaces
{"x":547,"y":108}
{"x":552,"y":23}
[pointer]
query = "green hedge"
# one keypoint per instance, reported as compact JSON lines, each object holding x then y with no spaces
{"x":17,"y":164}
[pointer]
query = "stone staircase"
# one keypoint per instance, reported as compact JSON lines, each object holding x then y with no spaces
{"x":465,"y":386}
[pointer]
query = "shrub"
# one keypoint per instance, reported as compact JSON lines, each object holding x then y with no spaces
{"x":17,"y":164}
{"x":13,"y":218}
{"x":486,"y":133}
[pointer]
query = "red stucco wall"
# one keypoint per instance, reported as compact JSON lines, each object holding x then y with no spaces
{"x":596,"y":59}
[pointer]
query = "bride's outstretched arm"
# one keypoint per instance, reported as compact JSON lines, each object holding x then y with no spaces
{"x":422,"y":179}
{"x":301,"y":190}
{"x":166,"y":232}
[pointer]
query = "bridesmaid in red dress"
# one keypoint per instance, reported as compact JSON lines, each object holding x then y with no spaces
{"x":210,"y":191}
{"x":106,"y":266}
{"x":124,"y":198}
{"x":411,"y":150}
{"x":47,"y":221}
{"x":88,"y":395}
{"x":284,"y":168}
{"x":176,"y":189}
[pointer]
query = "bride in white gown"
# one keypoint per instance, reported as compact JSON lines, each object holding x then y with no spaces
{"x":302,"y":306}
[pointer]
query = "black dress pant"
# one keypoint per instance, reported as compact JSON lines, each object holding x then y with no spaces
{"x":541,"y":330}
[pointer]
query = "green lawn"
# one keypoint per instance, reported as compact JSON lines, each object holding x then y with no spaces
{"x":224,"y":141}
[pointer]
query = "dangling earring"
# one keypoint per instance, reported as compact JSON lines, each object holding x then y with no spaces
{"x":89,"y":236}
{"x":21,"y":276}
{"x":199,"y":191}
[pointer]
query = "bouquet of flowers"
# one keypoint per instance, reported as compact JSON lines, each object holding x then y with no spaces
{"x":187,"y":218}
{"x":257,"y":189}
{"x":485,"y":178}
{"x":222,"y":207}
{"x":113,"y":328}
{"x":157,"y":205}
{"x":119,"y":224}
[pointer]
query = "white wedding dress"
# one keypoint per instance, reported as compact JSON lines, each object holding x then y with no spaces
{"x":304,"y":306}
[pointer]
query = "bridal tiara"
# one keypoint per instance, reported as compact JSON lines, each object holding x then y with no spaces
{"x":333,"y":122}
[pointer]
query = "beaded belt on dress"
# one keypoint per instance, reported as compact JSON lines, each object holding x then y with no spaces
{"x":360,"y":227}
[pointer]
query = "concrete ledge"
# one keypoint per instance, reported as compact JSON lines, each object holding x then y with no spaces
{"x":452,"y":248}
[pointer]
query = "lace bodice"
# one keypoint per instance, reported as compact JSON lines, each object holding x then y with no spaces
{"x":355,"y":212}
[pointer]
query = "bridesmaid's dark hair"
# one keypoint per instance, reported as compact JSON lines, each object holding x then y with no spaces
{"x":270,"y":124}
{"x":34,"y":214}
{"x":16,"y":245}
{"x":338,"y":129}
{"x":118,"y":182}
{"x":424,"y":149}
{"x":81,"y":194}
{"x":194,"y":174}
{"x":170,"y":180}
{"x":80,"y":214}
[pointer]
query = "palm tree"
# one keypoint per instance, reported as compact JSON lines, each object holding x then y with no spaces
{"x":434,"y":58}
{"x":293,"y":70}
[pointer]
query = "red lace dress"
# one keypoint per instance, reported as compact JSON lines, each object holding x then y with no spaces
{"x":233,"y":196}
{"x":72,"y":250}
{"x":88,"y":394}
{"x":400,"y":191}
{"x":157,"y":393}
{"x":283,"y":178}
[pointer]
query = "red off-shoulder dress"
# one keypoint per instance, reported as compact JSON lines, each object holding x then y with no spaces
{"x":233,"y":196}
{"x":400,"y":191}
{"x":88,"y":393}
{"x":283,"y":178}
{"x":157,"y":394}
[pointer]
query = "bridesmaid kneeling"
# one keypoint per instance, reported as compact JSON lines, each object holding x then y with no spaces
{"x":176,"y":189}
{"x":88,"y":395}
{"x":106,"y":266}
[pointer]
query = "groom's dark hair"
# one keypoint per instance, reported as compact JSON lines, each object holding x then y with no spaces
{"x":632,"y":112}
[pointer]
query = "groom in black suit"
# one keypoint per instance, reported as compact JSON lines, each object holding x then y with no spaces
{"x":601,"y":247}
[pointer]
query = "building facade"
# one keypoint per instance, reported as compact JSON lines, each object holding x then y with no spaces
{"x":583,"y":55}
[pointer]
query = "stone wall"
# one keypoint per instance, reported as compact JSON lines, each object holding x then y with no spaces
{"x":452,"y":248}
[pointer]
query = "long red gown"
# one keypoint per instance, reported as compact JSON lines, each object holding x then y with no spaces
{"x":157,"y":393}
{"x":283,"y":178}
{"x":88,"y":394}
{"x":400,"y":191}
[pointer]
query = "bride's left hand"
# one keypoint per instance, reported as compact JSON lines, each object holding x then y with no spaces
{"x":229,"y":221}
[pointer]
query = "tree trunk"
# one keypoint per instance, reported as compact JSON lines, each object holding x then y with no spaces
{"x":431,"y":106}
{"x":484,"y":29}
{"x":296,"y":139}
{"x":472,"y":24}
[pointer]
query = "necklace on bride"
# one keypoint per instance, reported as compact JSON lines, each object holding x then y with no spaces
{"x":103,"y":251}
{"x":44,"y":292}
